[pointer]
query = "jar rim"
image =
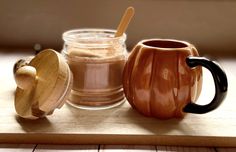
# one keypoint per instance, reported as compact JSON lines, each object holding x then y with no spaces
{"x":70,"y":35}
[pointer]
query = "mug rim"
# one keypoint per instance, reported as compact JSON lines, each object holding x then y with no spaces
{"x":182,"y":44}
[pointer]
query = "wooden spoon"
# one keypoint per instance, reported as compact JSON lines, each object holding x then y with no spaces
{"x":129,"y":13}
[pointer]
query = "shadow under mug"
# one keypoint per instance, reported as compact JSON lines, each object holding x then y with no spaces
{"x":162,"y":78}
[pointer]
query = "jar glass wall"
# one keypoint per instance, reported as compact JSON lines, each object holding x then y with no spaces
{"x":96,"y":59}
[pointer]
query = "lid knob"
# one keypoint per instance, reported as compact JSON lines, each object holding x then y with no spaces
{"x":25,"y":77}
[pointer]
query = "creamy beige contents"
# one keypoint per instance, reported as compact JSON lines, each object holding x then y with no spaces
{"x":97,"y":77}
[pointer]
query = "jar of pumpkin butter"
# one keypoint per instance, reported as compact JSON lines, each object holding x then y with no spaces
{"x":96,"y":58}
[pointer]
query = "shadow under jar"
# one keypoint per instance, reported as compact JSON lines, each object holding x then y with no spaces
{"x":96,"y":59}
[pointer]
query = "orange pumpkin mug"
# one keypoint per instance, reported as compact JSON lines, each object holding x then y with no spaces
{"x":162,"y":78}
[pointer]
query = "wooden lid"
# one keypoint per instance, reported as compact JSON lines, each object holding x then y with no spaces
{"x":49,"y":90}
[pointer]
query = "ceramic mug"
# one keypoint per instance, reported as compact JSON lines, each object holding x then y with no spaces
{"x":163,"y":78}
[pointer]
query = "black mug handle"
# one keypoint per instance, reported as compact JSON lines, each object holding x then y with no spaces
{"x":220,"y":80}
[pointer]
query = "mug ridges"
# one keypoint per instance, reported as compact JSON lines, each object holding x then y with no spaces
{"x":154,"y":84}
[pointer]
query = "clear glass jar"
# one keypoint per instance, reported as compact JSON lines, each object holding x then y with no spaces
{"x":96,"y":59}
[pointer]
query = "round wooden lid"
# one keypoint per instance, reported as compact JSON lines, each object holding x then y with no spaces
{"x":50,"y":89}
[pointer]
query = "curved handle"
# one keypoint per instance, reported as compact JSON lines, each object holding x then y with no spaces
{"x":220,"y":80}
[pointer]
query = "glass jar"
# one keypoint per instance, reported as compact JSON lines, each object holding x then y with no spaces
{"x":96,"y":59}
